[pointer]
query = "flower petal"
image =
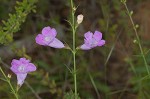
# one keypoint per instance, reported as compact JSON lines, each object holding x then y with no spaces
{"x":56,"y":43}
{"x":48,"y":31}
{"x":85,"y":47}
{"x":101,"y":43}
{"x":88,"y":35}
{"x":53,"y":32}
{"x":40,"y":39}
{"x":15,"y":62}
{"x":14,"y":65}
{"x":31,"y":67}
{"x":21,"y":78}
{"x":24,"y":60}
{"x":97,"y":36}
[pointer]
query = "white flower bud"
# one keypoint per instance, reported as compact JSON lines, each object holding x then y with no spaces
{"x":9,"y":76}
{"x":80,"y":18}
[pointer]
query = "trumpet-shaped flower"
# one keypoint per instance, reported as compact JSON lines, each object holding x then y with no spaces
{"x":21,"y":68}
{"x":92,"y":40}
{"x":48,"y":38}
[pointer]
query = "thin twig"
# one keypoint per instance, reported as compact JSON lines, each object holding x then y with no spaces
{"x":137,"y":36}
{"x":33,"y":91}
{"x":94,"y":85}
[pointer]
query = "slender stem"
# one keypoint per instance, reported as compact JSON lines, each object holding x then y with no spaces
{"x":75,"y":76}
{"x":74,"y":47}
{"x":33,"y":91}
{"x":94,"y":85}
{"x":8,"y":81}
{"x":137,"y":37}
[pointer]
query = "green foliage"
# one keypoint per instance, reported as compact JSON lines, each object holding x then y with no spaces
{"x":15,"y":20}
{"x":123,"y":1}
{"x":70,"y":95}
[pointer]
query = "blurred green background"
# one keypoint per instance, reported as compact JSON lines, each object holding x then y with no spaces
{"x":115,"y":70}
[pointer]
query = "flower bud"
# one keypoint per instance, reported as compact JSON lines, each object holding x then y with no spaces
{"x":135,"y":41}
{"x":74,"y":8}
{"x":9,"y":76}
{"x":80,"y":18}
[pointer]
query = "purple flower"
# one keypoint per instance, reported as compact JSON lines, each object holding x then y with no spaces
{"x":48,"y":38}
{"x":21,"y":67}
{"x":92,"y":40}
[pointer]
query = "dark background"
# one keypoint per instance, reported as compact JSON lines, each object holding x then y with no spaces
{"x":111,"y":67}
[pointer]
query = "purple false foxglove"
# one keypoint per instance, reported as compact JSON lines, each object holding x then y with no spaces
{"x":92,"y":40}
{"x":21,"y":68}
{"x":48,"y":38}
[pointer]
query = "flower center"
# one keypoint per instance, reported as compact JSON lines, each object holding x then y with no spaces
{"x":47,"y":39}
{"x":21,"y":68}
{"x":93,"y":43}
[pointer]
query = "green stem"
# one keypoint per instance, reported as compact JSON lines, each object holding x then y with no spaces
{"x":75,"y":76}
{"x":74,"y":47}
{"x":137,"y":37}
{"x":8,"y":81}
